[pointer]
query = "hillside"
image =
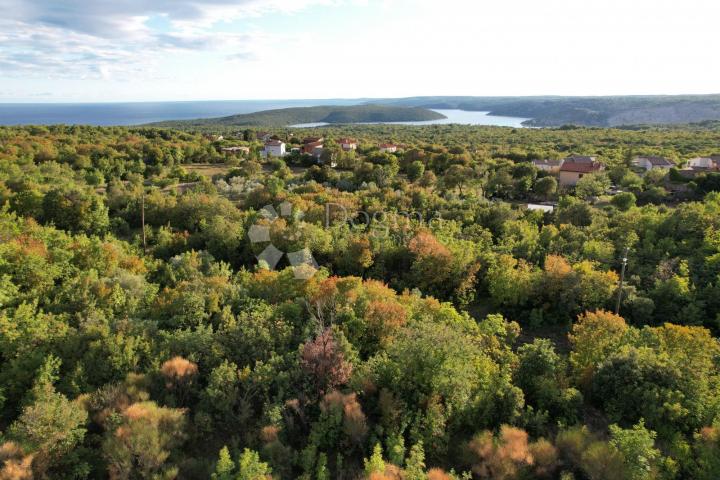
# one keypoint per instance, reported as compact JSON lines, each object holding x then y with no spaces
{"x":549,"y":111}
{"x":328,"y":114}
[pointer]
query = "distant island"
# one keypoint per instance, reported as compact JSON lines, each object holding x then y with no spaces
{"x":552,"y":111}
{"x":334,"y":114}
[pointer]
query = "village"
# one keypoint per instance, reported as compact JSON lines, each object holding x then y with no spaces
{"x":314,"y":146}
{"x":568,"y":171}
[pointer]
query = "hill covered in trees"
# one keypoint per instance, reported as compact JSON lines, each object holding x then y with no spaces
{"x":325,"y":114}
{"x":447,"y":333}
{"x":549,"y":111}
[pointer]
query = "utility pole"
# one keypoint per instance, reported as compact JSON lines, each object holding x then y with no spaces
{"x":142,"y":220}
{"x":622,"y":279}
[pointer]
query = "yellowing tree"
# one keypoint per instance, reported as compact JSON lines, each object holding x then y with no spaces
{"x":594,"y":337}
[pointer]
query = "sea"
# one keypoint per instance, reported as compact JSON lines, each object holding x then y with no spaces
{"x":138,"y":113}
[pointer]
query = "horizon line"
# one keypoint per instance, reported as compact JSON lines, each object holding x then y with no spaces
{"x":80,"y":102}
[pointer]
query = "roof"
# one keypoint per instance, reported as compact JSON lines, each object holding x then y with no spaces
{"x":548,"y":163}
{"x":537,"y":206}
{"x":312,"y":139}
{"x":273,"y":143}
{"x":388,"y":145}
{"x":262,"y":134}
{"x":712,"y":161}
{"x":581,"y":159}
{"x":656,"y":161}
{"x":346,"y":140}
{"x":580,"y":167}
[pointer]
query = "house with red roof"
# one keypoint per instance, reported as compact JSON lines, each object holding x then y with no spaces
{"x":388,"y":147}
{"x":575,"y":167}
{"x":313,"y":145}
{"x":347,"y":144}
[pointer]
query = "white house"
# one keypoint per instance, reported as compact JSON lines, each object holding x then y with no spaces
{"x":274,"y":148}
{"x":347,"y":144}
{"x":650,"y":163}
{"x":245,"y":150}
{"x":388,"y":148}
{"x":552,"y":166}
{"x":705,"y":163}
{"x":542,"y":208}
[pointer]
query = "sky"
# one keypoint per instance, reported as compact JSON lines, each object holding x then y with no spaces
{"x":135,"y":50}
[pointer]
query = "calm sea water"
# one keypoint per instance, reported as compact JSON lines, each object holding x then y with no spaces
{"x":462,"y":117}
{"x":136,"y":113}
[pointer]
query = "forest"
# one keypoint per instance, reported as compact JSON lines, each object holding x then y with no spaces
{"x":321,"y":114}
{"x":445,"y":332}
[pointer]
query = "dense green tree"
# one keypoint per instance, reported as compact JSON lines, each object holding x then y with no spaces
{"x":51,"y":426}
{"x":637,"y":446}
{"x":75,"y":210}
{"x":592,"y":185}
{"x":545,"y":187}
{"x":624,"y":201}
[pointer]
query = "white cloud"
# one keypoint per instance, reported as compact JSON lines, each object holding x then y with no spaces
{"x":120,"y":19}
{"x":218,"y":49}
{"x":99,"y":39}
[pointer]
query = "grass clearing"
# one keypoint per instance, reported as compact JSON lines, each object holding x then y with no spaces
{"x":208,"y":169}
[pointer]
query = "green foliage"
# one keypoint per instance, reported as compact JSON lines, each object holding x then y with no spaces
{"x":592,"y":185}
{"x":250,"y":467}
{"x":375,"y":464}
{"x":541,"y":376}
{"x":51,"y":426}
{"x":399,"y":340}
{"x":545,"y":187}
{"x":416,"y":170}
{"x":415,"y":464}
{"x":637,"y":446}
{"x":224,"y":467}
{"x":624,"y":201}
{"x":329,"y":114}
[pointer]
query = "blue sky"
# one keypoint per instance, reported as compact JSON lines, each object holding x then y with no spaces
{"x":103,"y":50}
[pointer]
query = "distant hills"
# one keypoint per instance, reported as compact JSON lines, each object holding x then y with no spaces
{"x":326,"y":114}
{"x":542,"y":111}
{"x":551,"y":111}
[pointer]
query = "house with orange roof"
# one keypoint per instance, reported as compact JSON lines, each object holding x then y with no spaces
{"x":388,"y":147}
{"x":347,"y":144}
{"x":576,"y":167}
